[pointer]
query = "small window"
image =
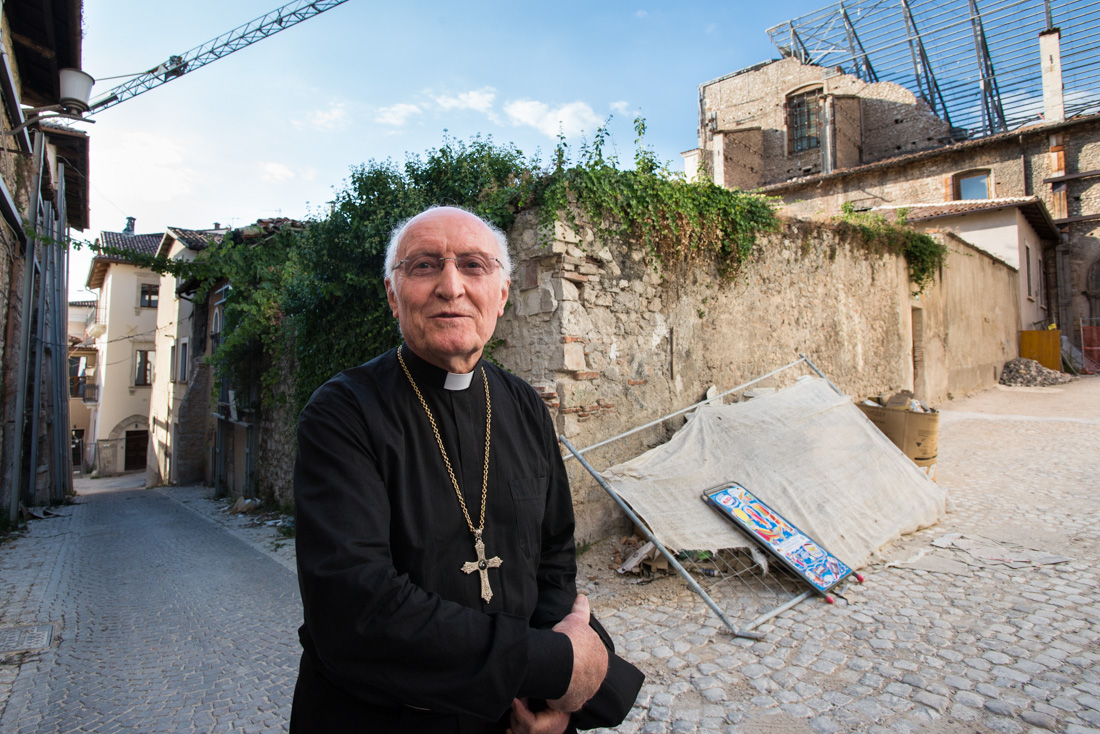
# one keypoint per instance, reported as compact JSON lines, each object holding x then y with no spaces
{"x":972,"y":185}
{"x":181,"y":368}
{"x":803,"y":118}
{"x":143,"y":366}
{"x":149,"y":293}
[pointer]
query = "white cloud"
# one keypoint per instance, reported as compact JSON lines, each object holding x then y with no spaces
{"x":571,"y":119}
{"x":397,"y":115}
{"x":275,"y":172}
{"x":621,"y":107}
{"x":328,"y":120}
{"x":641,"y":14}
{"x":161,"y":162}
{"x":479,"y":100}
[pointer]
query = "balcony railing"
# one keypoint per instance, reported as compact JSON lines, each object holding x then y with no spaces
{"x":86,"y":391}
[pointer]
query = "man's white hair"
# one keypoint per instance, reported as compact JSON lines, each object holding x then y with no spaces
{"x":399,"y":231}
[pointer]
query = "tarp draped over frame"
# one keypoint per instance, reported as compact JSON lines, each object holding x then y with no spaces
{"x":806,"y":451}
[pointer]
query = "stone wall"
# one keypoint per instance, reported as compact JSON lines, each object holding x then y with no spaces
{"x":611,"y":344}
{"x":277,"y":439}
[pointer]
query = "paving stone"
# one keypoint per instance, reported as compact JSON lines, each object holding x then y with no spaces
{"x":1043,"y":721}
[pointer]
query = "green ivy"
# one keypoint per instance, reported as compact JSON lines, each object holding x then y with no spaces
{"x":923,"y":254}
{"x":675,"y":221}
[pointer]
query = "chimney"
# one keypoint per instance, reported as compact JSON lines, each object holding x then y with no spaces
{"x":1050,"y":49}
{"x":129,"y":226}
{"x":217,"y":225}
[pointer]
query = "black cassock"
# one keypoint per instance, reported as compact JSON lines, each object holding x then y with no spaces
{"x":396,"y":636}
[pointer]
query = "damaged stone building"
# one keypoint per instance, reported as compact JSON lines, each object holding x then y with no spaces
{"x":828,"y":135}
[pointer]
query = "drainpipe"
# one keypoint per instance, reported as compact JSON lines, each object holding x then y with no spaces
{"x":25,"y":337}
{"x":828,"y":135}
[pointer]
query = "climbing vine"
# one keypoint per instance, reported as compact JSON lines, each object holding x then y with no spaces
{"x":674,"y":220}
{"x":924,"y":256}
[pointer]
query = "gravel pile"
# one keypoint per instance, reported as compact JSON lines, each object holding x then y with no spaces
{"x":1022,"y":372}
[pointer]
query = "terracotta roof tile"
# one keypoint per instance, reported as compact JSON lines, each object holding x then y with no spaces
{"x":196,"y":239}
{"x":145,"y":244}
{"x":917,"y":212}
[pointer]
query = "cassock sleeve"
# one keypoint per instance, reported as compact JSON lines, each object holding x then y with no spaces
{"x":374,"y":633}
{"x":557,"y":570}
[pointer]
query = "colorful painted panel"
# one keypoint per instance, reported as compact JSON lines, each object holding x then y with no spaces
{"x":776,"y":534}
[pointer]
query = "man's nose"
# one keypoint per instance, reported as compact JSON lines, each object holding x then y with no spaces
{"x":450,"y":283}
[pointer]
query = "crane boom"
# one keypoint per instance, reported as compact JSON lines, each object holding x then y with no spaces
{"x":176,"y":66}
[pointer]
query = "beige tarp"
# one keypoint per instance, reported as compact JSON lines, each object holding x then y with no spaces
{"x":806,"y":451}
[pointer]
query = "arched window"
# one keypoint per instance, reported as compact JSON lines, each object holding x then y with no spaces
{"x":216,"y":328}
{"x":976,"y":184}
{"x":804,"y":120}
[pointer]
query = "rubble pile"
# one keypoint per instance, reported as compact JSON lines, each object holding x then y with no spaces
{"x":1022,"y":372}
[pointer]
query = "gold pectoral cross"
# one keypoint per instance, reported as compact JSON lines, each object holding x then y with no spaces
{"x":482,"y":566}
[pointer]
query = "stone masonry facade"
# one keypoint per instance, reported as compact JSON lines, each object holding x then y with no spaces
{"x":879,"y":145}
{"x":744,"y":117}
{"x":612,"y":343}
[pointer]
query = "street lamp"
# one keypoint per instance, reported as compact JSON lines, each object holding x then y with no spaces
{"x":76,"y":89}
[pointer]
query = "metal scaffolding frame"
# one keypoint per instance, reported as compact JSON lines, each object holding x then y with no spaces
{"x":975,"y":63}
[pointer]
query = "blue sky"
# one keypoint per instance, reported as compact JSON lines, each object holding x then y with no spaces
{"x":273,"y":129}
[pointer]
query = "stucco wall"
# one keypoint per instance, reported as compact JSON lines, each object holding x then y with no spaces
{"x":129,"y":328}
{"x":969,"y":324}
{"x":174,"y":327}
{"x":612,"y":345}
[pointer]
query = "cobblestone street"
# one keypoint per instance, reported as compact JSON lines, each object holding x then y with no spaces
{"x":163,"y":622}
{"x":169,"y":615}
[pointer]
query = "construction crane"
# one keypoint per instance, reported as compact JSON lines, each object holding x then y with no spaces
{"x":176,"y":66}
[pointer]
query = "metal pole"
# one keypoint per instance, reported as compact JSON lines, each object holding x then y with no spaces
{"x":662,"y":419}
{"x":778,"y":610}
{"x":664,"y":551}
{"x":23,"y":356}
{"x":820,"y":373}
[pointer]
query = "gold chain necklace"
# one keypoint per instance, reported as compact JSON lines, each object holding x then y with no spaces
{"x":482,"y":564}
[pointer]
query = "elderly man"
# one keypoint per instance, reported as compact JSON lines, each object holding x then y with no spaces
{"x":435,"y":524}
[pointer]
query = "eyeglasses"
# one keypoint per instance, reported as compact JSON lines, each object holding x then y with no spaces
{"x":473,"y":265}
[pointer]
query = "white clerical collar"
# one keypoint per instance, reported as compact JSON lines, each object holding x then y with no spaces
{"x":458,"y":382}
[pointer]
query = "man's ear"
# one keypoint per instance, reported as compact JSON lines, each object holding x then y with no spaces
{"x":391,"y":296}
{"x":503,"y":296}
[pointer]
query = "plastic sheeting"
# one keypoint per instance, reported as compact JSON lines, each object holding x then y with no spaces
{"x":806,"y":451}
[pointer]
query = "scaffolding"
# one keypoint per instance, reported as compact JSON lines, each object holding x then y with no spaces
{"x":976,"y":64}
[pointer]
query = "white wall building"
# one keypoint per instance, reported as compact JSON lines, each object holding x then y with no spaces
{"x":125,"y":342}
